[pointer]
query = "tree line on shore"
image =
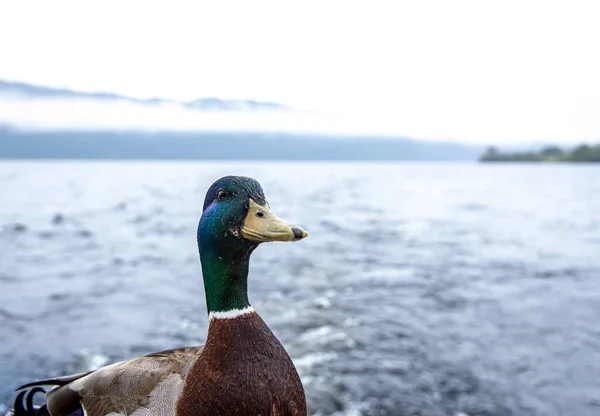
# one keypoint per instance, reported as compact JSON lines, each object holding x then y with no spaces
{"x":580,"y":153}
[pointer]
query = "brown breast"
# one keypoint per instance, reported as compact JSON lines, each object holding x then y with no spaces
{"x":243,"y":370}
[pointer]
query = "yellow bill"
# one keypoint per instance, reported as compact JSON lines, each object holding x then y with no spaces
{"x":261,"y":226}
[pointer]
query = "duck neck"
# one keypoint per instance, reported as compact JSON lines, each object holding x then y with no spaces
{"x":225,"y":275}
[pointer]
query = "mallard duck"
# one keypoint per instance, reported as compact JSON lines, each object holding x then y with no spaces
{"x":241,"y":370}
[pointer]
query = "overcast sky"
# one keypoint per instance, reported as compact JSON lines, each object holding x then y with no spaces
{"x":476,"y":71}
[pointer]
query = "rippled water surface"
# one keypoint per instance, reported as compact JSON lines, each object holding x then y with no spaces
{"x":423,"y":289}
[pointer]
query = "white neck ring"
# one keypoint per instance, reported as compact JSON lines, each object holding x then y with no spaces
{"x":232,"y":314}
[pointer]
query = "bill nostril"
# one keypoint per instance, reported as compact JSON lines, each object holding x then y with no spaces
{"x":260,"y":214}
{"x":297,"y":233}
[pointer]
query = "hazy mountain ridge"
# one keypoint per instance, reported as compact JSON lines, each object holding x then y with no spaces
{"x":25,"y":132}
{"x":32,"y":91}
{"x":85,"y":144}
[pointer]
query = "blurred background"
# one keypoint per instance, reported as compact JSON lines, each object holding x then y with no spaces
{"x":440,"y":277}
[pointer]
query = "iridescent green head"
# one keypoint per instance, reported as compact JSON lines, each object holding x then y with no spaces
{"x":236,"y":218}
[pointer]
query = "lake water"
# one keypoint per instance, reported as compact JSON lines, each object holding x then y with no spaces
{"x":423,"y":289}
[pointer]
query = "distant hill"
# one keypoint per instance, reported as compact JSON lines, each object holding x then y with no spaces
{"x":18,"y":144}
{"x":25,"y":90}
{"x":28,"y":140}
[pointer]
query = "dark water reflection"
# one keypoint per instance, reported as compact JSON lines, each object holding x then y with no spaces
{"x":422,"y":289}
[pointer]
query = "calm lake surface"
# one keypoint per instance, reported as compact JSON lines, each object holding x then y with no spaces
{"x":423,"y":289}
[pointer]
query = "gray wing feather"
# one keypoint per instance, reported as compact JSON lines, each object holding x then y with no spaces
{"x":148,"y":385}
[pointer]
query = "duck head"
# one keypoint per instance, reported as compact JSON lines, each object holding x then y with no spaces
{"x":236,"y":218}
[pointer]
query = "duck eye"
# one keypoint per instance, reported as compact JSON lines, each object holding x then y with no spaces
{"x":221,"y":195}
